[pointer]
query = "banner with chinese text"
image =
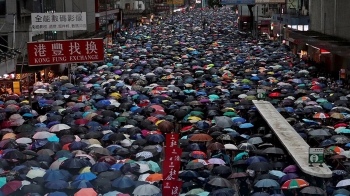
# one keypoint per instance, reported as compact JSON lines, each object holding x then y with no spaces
{"x":65,"y":51}
{"x":171,"y":170}
{"x":171,"y":140}
{"x":171,"y":188}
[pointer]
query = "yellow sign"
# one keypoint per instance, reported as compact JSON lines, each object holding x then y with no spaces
{"x":175,"y":2}
{"x":16,"y":87}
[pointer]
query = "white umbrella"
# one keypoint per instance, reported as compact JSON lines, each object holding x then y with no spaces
{"x":343,"y":183}
{"x":230,"y":147}
{"x":59,"y":127}
{"x":146,"y":189}
{"x":34,"y":173}
{"x":41,"y":91}
{"x":346,"y":153}
{"x":24,"y":140}
{"x":143,"y":177}
{"x":56,"y":164}
{"x":43,"y":135}
{"x":143,"y":168}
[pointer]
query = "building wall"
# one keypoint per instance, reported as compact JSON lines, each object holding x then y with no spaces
{"x":330,"y":17}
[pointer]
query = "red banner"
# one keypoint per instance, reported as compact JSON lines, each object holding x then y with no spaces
{"x":171,"y":188}
{"x":65,"y":51}
{"x":171,"y":140}
{"x":173,"y":154}
{"x":171,"y":170}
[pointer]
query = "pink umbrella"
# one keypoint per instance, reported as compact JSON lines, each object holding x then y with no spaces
{"x":290,"y":169}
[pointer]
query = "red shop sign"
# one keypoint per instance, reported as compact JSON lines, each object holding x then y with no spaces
{"x":171,"y":188}
{"x":173,"y":154}
{"x":65,"y":51}
{"x":171,"y":170}
{"x":171,"y":139}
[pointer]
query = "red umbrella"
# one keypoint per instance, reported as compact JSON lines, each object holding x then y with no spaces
{"x":274,"y":94}
{"x":316,"y":87}
{"x":6,"y":124}
{"x":81,"y":121}
{"x":11,"y":187}
{"x":201,"y":137}
{"x":340,"y":125}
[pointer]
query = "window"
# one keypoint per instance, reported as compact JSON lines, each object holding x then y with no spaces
{"x":2,"y":7}
{"x":127,"y":6}
{"x":4,"y":43}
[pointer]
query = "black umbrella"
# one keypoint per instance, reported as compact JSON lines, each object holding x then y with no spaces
{"x":260,"y":166}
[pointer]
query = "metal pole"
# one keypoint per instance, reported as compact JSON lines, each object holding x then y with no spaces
{"x":14,"y":32}
{"x":106,"y":28}
{"x":257,"y":21}
{"x":280,"y":23}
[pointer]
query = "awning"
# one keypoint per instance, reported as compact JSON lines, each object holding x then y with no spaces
{"x":28,"y":69}
{"x":332,"y":44}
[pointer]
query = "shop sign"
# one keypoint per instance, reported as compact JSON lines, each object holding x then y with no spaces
{"x":162,"y":8}
{"x":233,"y":2}
{"x":175,"y":2}
{"x":342,"y":73}
{"x":198,"y":1}
{"x":67,"y":21}
{"x":65,"y":51}
{"x":316,"y":155}
{"x":269,"y":1}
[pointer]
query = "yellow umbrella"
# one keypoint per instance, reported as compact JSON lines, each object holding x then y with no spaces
{"x":9,"y":136}
{"x":85,"y":170}
{"x":116,"y":95}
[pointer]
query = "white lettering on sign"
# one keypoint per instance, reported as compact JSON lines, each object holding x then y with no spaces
{"x":57,"y":49}
{"x":83,"y":58}
{"x":42,"y":60}
{"x":59,"y":59}
{"x":74,"y":48}
{"x":91,"y":47}
{"x":40,"y":50}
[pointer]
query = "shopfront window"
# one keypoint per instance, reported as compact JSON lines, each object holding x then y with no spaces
{"x":2,"y":8}
{"x":106,"y":5}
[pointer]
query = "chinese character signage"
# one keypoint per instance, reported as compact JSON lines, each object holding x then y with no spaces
{"x":175,"y":2}
{"x":67,"y":21}
{"x":231,"y":2}
{"x":171,"y":188}
{"x":65,"y":51}
{"x":171,"y":170}
{"x":171,"y":140}
{"x":173,"y":154}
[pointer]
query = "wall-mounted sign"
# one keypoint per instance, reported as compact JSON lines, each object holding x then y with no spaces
{"x":67,"y":21}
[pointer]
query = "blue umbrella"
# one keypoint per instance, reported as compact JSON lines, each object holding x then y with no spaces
{"x":123,"y":182}
{"x":116,"y":166}
{"x":86,"y":176}
{"x":100,"y":167}
{"x":57,"y":194}
{"x":246,"y":125}
{"x":57,"y":184}
{"x":255,"y":159}
{"x":56,"y":174}
{"x":327,"y":142}
{"x":266,"y":183}
{"x":79,"y":184}
{"x":238,"y":120}
{"x":310,"y":122}
{"x":158,"y":138}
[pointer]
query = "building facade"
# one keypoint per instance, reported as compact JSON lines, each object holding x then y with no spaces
{"x":327,"y":41}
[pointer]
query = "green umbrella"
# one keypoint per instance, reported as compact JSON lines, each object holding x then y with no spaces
{"x":246,"y":81}
{"x":2,"y":181}
{"x":230,"y":114}
{"x":213,"y":97}
{"x":250,"y":97}
{"x":195,"y":191}
{"x":240,"y":156}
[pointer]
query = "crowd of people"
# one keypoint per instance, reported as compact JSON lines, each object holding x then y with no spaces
{"x":104,"y":133}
